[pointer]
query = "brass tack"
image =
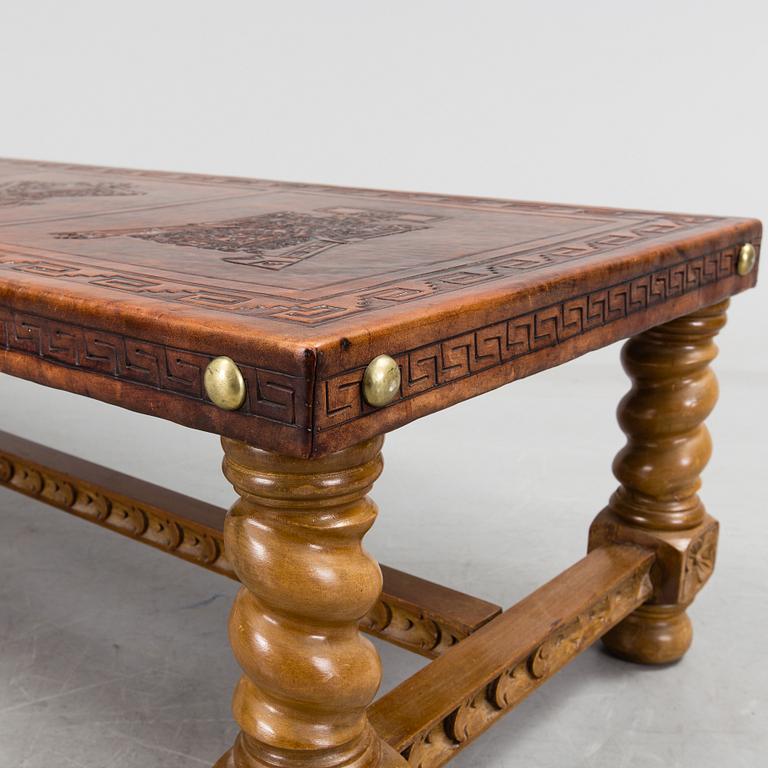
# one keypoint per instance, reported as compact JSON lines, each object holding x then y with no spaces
{"x":224,"y":384}
{"x":747,"y":259}
{"x":381,"y":381}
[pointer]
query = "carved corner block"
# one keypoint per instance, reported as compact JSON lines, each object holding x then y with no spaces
{"x":685,"y":559}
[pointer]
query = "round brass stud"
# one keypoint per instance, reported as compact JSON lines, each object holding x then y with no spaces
{"x":747,"y":259}
{"x":224,"y":383}
{"x":381,"y":381}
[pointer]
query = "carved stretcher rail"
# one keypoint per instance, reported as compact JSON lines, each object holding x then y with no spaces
{"x":447,"y":704}
{"x":413,"y":613}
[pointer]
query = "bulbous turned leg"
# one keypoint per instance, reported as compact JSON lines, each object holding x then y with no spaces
{"x":657,"y":504}
{"x":295,"y":541}
{"x":653,"y":634}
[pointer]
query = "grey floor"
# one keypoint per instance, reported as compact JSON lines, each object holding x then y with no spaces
{"x":113,"y":655}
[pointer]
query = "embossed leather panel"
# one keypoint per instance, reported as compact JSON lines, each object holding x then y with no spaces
{"x":122,"y":285}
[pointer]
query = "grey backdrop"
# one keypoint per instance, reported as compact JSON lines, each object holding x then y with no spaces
{"x":115,"y":655}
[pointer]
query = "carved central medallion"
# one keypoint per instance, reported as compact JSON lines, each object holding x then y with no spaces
{"x":276,"y":240}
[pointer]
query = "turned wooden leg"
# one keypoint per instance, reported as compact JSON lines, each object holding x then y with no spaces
{"x":657,"y":505}
{"x":294,"y":539}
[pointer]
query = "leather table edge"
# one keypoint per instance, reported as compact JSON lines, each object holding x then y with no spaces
{"x":287,"y":415}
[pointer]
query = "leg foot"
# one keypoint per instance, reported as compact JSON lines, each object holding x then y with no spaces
{"x":653,"y":634}
{"x":657,"y":505}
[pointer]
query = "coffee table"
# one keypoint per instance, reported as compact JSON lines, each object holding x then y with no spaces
{"x":301,"y":323}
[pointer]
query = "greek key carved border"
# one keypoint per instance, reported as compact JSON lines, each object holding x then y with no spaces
{"x":280,"y":397}
{"x":272,"y":395}
{"x":444,"y":361}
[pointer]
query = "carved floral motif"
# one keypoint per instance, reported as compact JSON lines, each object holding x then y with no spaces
{"x":411,"y":629}
{"x":177,"y":536}
{"x":700,"y":561}
{"x":439,"y":742}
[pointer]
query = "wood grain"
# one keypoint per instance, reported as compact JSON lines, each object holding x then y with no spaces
{"x":657,"y":504}
{"x":441,"y":709}
{"x":295,"y":541}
